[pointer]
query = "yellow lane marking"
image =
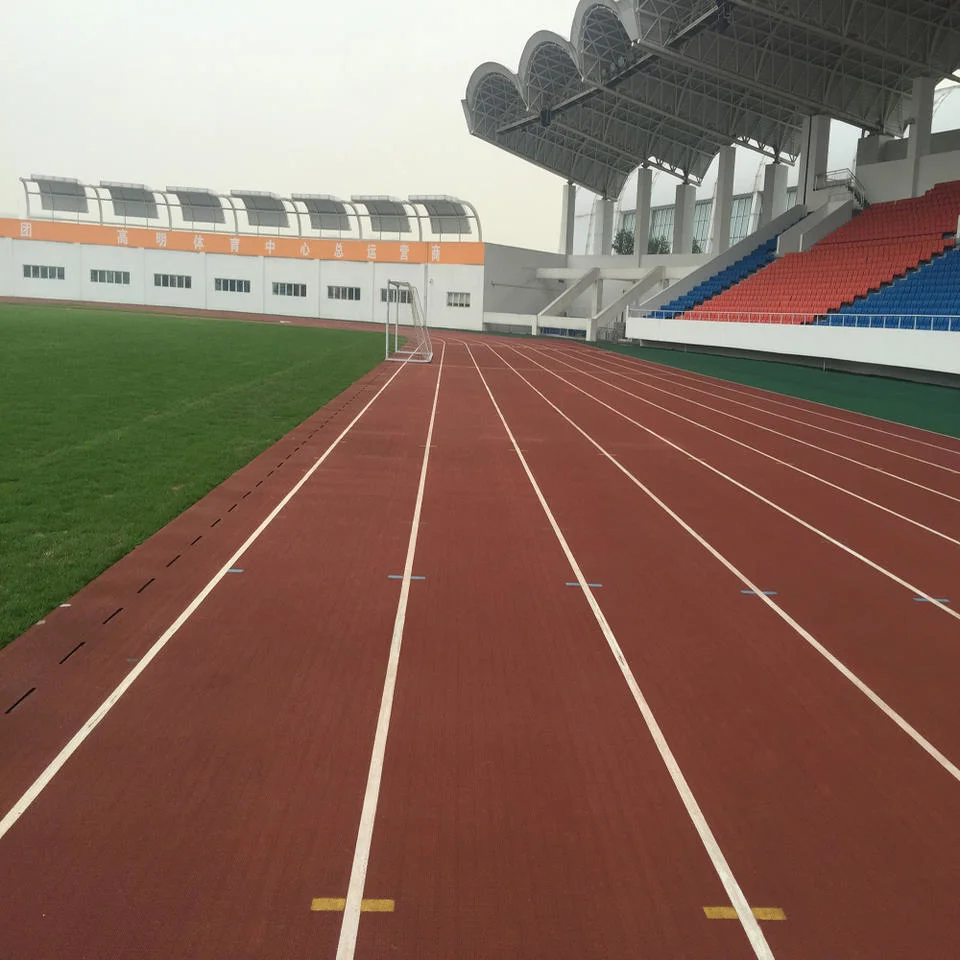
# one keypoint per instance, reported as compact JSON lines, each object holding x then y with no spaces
{"x":377,"y":906}
{"x":337,"y":904}
{"x":728,"y":913}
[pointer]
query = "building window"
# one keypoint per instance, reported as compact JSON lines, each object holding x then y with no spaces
{"x":628,"y":221}
{"x":172,"y":280}
{"x":394,"y":295}
{"x":791,"y":197}
{"x":343,"y":293}
{"x":34,"y":272}
{"x":661,"y":225}
{"x":232,"y":286}
{"x":701,"y":224}
{"x":110,"y":276}
{"x":289,"y":289}
{"x":740,"y":216}
{"x":458,"y":299}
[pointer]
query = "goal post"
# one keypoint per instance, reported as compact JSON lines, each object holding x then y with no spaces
{"x":403,"y":297}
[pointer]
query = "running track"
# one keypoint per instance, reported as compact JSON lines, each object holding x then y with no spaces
{"x":533,"y":652}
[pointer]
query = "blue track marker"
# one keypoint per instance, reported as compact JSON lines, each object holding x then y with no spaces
{"x":235,"y":570}
{"x":753,"y":593}
{"x":569,"y":584}
{"x":925,"y":600}
{"x":399,"y":576}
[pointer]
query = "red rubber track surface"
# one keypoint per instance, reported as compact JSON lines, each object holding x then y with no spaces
{"x":524,"y":810}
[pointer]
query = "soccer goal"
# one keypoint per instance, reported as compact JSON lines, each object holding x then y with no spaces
{"x":404,"y":297}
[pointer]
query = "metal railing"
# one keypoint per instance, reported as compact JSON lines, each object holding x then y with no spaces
{"x":874,"y":321}
{"x":842,"y":178}
{"x":613,"y":333}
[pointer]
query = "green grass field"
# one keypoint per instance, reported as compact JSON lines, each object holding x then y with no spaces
{"x":920,"y":405}
{"x":112,"y":423}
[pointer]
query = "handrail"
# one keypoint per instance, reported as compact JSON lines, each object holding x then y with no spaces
{"x":842,"y":178}
{"x":877,"y":321}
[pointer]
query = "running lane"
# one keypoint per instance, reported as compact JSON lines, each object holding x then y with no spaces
{"x":867,"y":619}
{"x":221,"y":793}
{"x":917,"y":551}
{"x":833,"y":427}
{"x":524,"y":810}
{"x":933,"y":500}
{"x":826,"y":808}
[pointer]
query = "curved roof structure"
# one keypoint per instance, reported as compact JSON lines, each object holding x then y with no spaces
{"x":667,"y":83}
{"x":449,"y":218}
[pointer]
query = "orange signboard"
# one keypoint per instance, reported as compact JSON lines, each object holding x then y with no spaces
{"x":245,"y":245}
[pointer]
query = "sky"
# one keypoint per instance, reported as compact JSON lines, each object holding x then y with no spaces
{"x":352,"y":97}
{"x":288,"y":96}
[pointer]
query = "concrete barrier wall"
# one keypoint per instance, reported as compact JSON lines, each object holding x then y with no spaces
{"x":922,"y":350}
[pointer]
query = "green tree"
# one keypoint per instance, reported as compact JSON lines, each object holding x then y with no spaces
{"x":696,"y":246}
{"x":658,"y":245}
{"x":623,"y":242}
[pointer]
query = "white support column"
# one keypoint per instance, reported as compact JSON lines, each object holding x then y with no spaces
{"x":815,"y":141}
{"x":641,"y":229}
{"x":568,"y":217}
{"x":597,"y":308}
{"x":683,"y":218}
{"x":723,"y":201}
{"x":774,"y":199}
{"x":918,"y":144}
{"x":606,"y":227}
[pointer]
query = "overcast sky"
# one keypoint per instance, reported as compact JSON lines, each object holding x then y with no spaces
{"x":346,"y":97}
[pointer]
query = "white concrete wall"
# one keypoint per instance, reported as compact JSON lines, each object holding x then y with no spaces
{"x":6,"y":265}
{"x":912,"y":349}
{"x":283,"y":270}
{"x":191,"y":265}
{"x":892,"y":179}
{"x":823,"y":221}
{"x":511,"y":319}
{"x":237,"y":268}
{"x":114,"y":258}
{"x":510,"y":283}
{"x":449,"y":278}
{"x":886,"y":181}
{"x":347,"y":275}
{"x":67,"y":256}
{"x":433,"y":281}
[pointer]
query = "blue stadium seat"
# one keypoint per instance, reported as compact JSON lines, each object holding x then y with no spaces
{"x":706,"y":289}
{"x":927,"y":298}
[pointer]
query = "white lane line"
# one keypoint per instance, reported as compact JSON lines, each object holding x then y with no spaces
{"x":875,"y":698}
{"x":753,"y":493}
{"x":350,"y":926}
{"x":55,"y":765}
{"x":760,"y":426}
{"x":811,"y":426}
{"x":736,"y":896}
{"x":777,"y":398}
{"x":739,"y":443}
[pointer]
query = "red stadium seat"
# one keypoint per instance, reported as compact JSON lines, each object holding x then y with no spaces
{"x":874,"y":248}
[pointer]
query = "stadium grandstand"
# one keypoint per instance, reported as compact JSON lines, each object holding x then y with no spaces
{"x":742,"y":104}
{"x":737,"y":102}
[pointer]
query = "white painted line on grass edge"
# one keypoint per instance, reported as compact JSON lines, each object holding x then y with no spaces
{"x":55,"y":765}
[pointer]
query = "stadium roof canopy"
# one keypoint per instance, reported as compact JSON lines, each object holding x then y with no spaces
{"x":667,"y":83}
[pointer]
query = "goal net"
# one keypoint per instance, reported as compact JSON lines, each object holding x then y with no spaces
{"x":405,"y":308}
